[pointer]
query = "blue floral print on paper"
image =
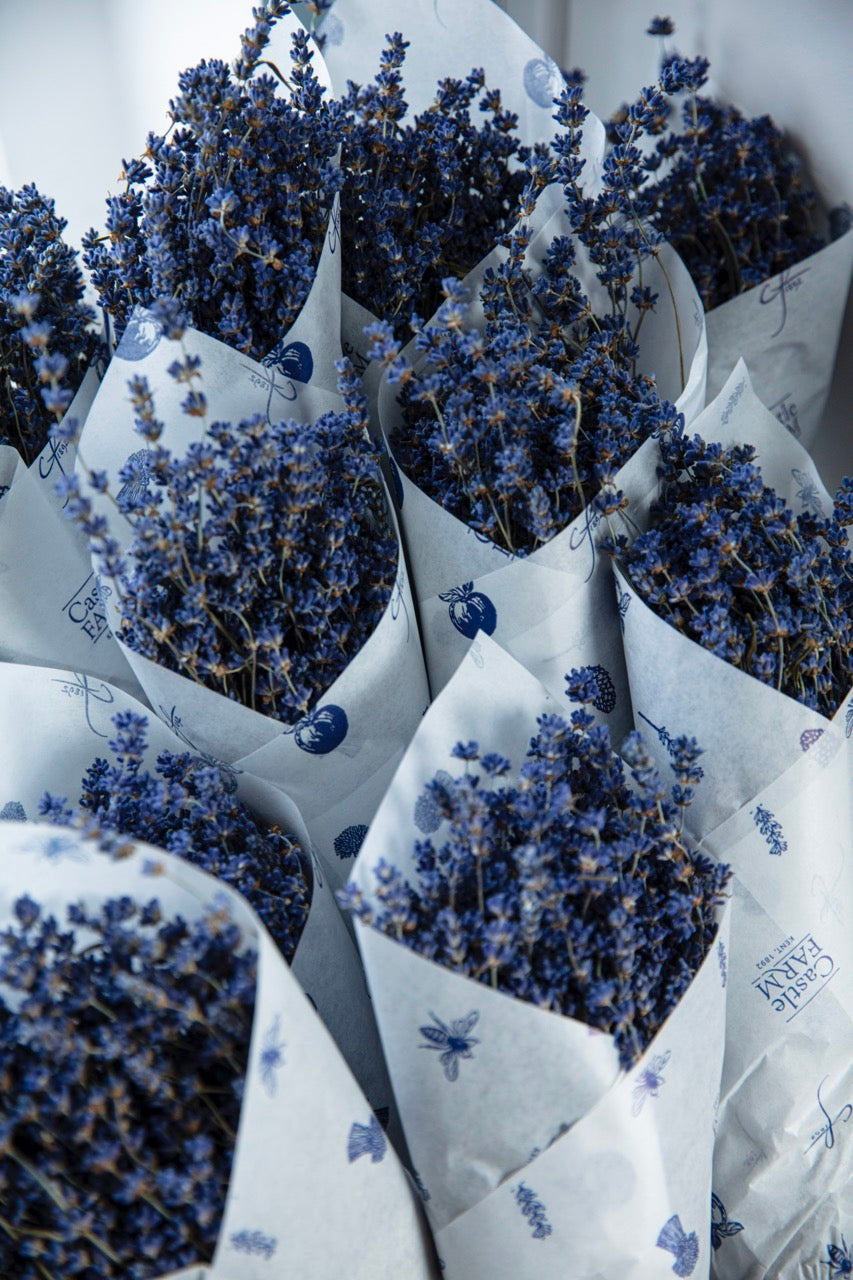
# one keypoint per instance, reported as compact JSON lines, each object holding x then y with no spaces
{"x":135,"y":473}
{"x":534,"y":1211}
{"x":470,"y":611}
{"x":605,"y":698}
{"x":367,"y":1140}
{"x":13,"y":811}
{"x":349,"y":841}
{"x":292,"y":360}
{"x":453,"y":1043}
{"x":683,"y":1246}
{"x":428,"y":815}
{"x":721,"y":1226}
{"x":649,"y":1081}
{"x":55,"y":848}
{"x":321,"y":731}
{"x":141,"y":336}
{"x":770,"y":828}
{"x":839,"y":1259}
{"x":809,"y":737}
{"x":542,"y":80}
{"x":723,"y":963}
{"x":254,"y":1242}
{"x":271,"y":1058}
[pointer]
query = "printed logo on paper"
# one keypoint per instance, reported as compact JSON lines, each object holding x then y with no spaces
{"x":86,"y":608}
{"x":793,"y":975}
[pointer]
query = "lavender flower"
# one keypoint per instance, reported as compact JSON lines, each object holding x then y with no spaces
{"x":123,"y":1056}
{"x":186,"y":809}
{"x":46,"y":341}
{"x":520,"y":424}
{"x":728,"y":563}
{"x":228,"y":211}
{"x":728,"y":192}
{"x":423,"y":197}
{"x":567,"y":884}
{"x":262,"y":560}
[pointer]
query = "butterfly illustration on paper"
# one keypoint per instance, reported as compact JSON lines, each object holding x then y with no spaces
{"x":808,"y":492}
{"x":453,"y":1043}
{"x":721,"y":1225}
{"x":649,"y":1082}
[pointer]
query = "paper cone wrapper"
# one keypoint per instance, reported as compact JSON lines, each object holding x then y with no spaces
{"x":446,"y":40}
{"x":536,"y":1155}
{"x":298,"y":1196}
{"x":749,"y":732}
{"x":783,"y":1163}
{"x":554,"y":609}
{"x":334,"y":763}
{"x":52,"y":603}
{"x":787,"y":330}
{"x":57,"y":723}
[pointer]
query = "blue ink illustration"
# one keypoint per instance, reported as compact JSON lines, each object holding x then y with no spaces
{"x":13,"y":811}
{"x":534,"y":1211}
{"x":848,"y":720}
{"x":291,"y":360}
{"x":453,"y":1043}
{"x":141,"y":336}
{"x":827,"y":1129}
{"x":50,"y":458}
{"x":367,"y":1140}
{"x":80,"y":687}
{"x":770,"y":828}
{"x":787,"y":282}
{"x":138,"y":470}
{"x":437,"y":14}
{"x":349,"y":841}
{"x":683,"y":1246}
{"x":227,"y":772}
{"x":321,"y":731}
{"x":839,"y":1259}
{"x":542,"y":80}
{"x":267,"y":381}
{"x":605,"y":698}
{"x":809,"y":737}
{"x":398,"y":601}
{"x":723,"y":963}
{"x":55,"y":848}
{"x":334,"y":232}
{"x":254,"y":1242}
{"x":86,"y":608}
{"x":666,"y":740}
{"x":721,"y":1226}
{"x":785,"y":411}
{"x":807,"y":493}
{"x":428,"y":814}
{"x":486,"y":540}
{"x":470,"y":611}
{"x":649,"y":1081}
{"x":271,"y":1057}
{"x":622,"y":606}
{"x":583,"y":534}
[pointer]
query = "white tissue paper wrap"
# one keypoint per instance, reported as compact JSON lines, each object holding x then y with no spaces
{"x":787,"y":330}
{"x":52,"y":603}
{"x":777,"y":802}
{"x":336,"y":761}
{"x":554,"y":609}
{"x":536,"y":1155}
{"x":56,"y":723}
{"x":299,"y":1200}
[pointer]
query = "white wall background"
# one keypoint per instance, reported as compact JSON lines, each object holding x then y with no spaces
{"x":83,"y":81}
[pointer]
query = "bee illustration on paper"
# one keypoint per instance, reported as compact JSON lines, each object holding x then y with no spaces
{"x":840,"y":1259}
{"x":452,"y":1043}
{"x":649,"y":1082}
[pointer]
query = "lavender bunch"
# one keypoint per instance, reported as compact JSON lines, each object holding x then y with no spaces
{"x":728,"y":563}
{"x":519,"y":425}
{"x":261,"y":560}
{"x":46,"y":340}
{"x":188,"y":807}
{"x":567,"y":885}
{"x":227,"y":212}
{"x":123,"y":1056}
{"x":729,"y":194}
{"x":426,"y":197}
